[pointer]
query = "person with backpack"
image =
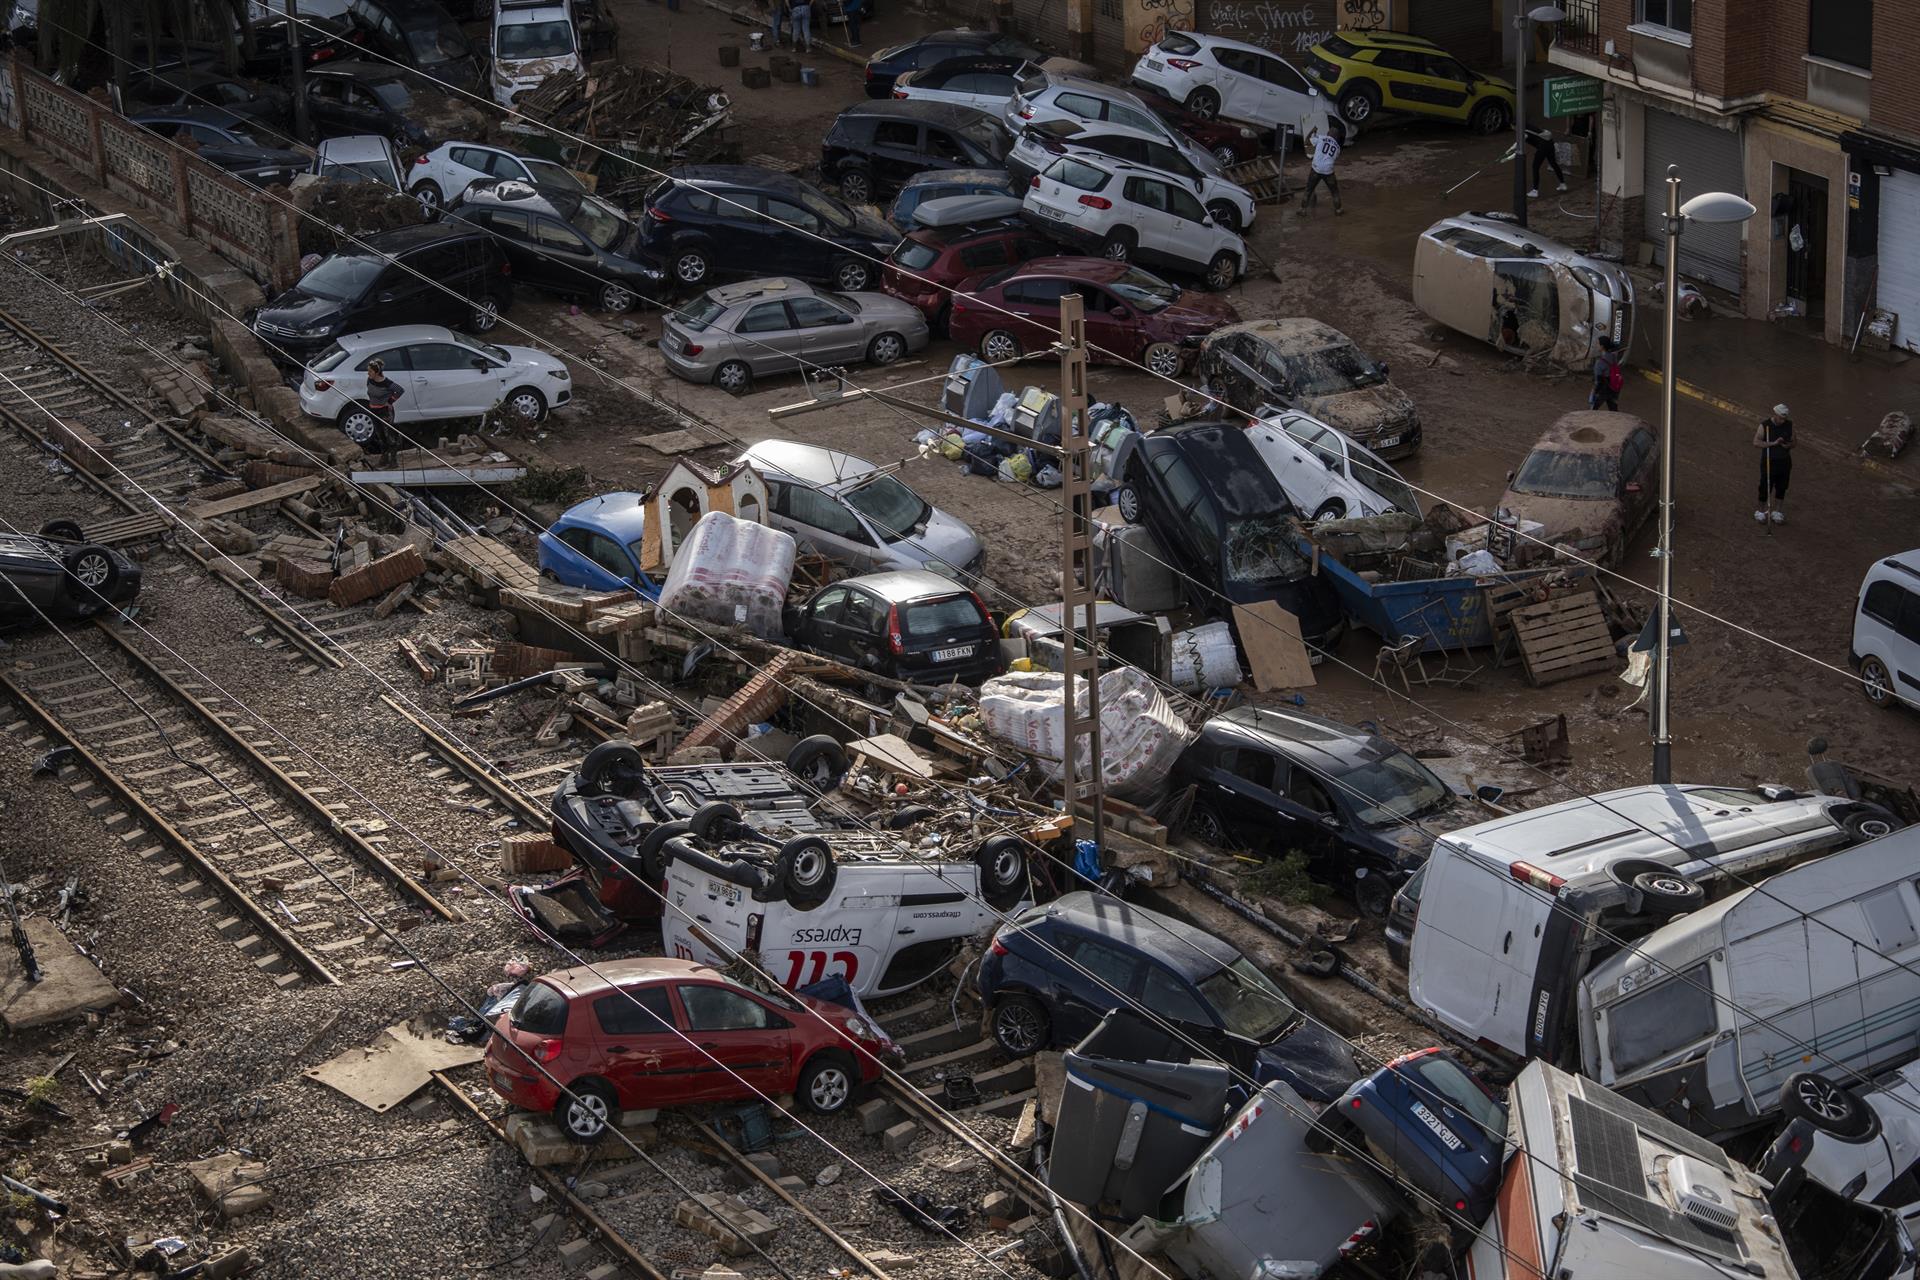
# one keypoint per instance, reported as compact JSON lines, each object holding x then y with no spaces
{"x":1608,"y":377}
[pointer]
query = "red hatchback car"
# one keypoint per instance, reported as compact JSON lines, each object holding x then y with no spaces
{"x":656,"y":1032}
{"x":930,"y":262}
{"x":1131,"y":314}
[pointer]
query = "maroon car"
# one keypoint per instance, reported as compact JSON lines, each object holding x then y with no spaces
{"x":930,"y":262}
{"x":1131,"y":315}
{"x":1230,"y":143}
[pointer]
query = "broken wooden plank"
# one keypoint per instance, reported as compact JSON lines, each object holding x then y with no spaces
{"x":255,"y":498}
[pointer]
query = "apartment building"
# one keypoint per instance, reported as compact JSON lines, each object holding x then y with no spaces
{"x":1806,"y":107}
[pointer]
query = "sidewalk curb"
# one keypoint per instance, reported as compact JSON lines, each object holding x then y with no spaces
{"x":850,"y":56}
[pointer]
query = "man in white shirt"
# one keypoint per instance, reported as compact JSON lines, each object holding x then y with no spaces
{"x":1324,"y":147}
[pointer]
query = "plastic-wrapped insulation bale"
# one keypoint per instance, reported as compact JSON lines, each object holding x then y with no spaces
{"x":733,"y":572}
{"x":1205,"y":658}
{"x":1140,"y":736}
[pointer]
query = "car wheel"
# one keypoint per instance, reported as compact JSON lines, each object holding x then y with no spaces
{"x":485,"y":316}
{"x":91,"y":573}
{"x":650,"y":853}
{"x":1332,"y":509}
{"x":1226,"y":156}
{"x":1372,"y":893}
{"x":1162,"y":358}
{"x":691,"y":267}
{"x":586,"y":1111}
{"x":401,"y":144}
{"x":1118,"y":247}
{"x":1875,"y":682}
{"x":999,"y":346}
{"x":1225,"y":215}
{"x":615,"y":300}
{"x":1667,"y":892}
{"x":61,"y":530}
{"x":428,"y":194}
{"x":826,"y":1083}
{"x":886,"y":348}
{"x":1003,"y":871}
{"x":853,"y":277}
{"x":856,"y":186}
{"x":734,"y":378}
{"x":528,"y":403}
{"x":1129,"y":503}
{"x":1359,"y":102}
{"x":1204,"y":102}
{"x":1490,"y":117}
{"x":1222,"y":272}
{"x":1204,"y":825}
{"x":1828,"y":1107}
{"x":359,"y":426}
{"x":1870,"y":823}
{"x":612,"y":768}
{"x":711,"y":820}
{"x":1020,"y":1026}
{"x":819,"y":762}
{"x":804,"y":872}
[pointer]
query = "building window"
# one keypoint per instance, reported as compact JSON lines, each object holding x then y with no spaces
{"x":1841,"y":31}
{"x":1674,"y":15}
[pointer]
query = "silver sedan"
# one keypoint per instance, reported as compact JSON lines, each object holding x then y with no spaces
{"x":731,"y":334}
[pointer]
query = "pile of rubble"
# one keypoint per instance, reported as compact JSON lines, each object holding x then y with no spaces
{"x":651,"y":112}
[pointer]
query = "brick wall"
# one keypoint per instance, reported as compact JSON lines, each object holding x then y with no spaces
{"x":1896,"y":61}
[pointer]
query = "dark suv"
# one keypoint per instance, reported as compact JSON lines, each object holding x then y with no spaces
{"x":872,"y":148}
{"x":983,"y":234}
{"x":443,"y":274}
{"x":418,"y":34}
{"x":1363,"y":811}
{"x":61,"y":577}
{"x":749,"y":221}
{"x":1224,"y":522}
{"x":567,"y":241}
{"x":907,"y":625}
{"x":1055,"y":971}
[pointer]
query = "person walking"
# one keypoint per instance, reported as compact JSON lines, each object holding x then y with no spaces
{"x":1774,"y":438}
{"x":776,"y":22}
{"x":1545,"y":151}
{"x":1608,"y":377}
{"x":382,"y":392}
{"x":1324,"y":146}
{"x":803,"y":27}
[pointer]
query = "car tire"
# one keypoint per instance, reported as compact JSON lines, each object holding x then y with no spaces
{"x":1332,"y":509}
{"x":650,"y":851}
{"x":1667,"y":892}
{"x":1225,"y":215}
{"x":1162,"y":358}
{"x":612,"y":768}
{"x":804,"y":872}
{"x":1875,"y":682}
{"x":359,"y":426}
{"x":587,"y":1111}
{"x":1128,"y":500}
{"x":527,"y":402}
{"x":901,"y":819}
{"x":819,"y":762}
{"x":1358,"y":102}
{"x":1225,"y":156}
{"x":484,"y":315}
{"x":1490,"y":118}
{"x":616,"y":300}
{"x":91,"y":574}
{"x":401,"y":144}
{"x":1372,"y":893}
{"x":888,"y":348}
{"x":1118,"y":246}
{"x":1204,"y":102}
{"x":1870,"y":823}
{"x":711,"y":819}
{"x":692,"y":266}
{"x":1002,"y":861}
{"x":1829,"y":1107}
{"x":827,"y":1083}
{"x":853,"y":276}
{"x":1020,"y":1026}
{"x":734,"y":378}
{"x":432,"y":203}
{"x":61,"y":530}
{"x":1221,"y":272}
{"x":856,"y":186}
{"x":997,"y":346}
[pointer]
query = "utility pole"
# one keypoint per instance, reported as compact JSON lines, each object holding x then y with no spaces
{"x":301,"y":127}
{"x":1522,"y":47}
{"x":1663,"y":648}
{"x":1079,"y":633}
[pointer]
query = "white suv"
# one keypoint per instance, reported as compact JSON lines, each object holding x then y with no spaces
{"x":531,"y":41}
{"x":1216,"y":77}
{"x":1045,"y":96}
{"x":1129,"y":213}
{"x":1038,"y":145}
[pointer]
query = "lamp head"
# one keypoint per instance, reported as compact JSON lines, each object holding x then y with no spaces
{"x":1546,"y":13}
{"x":1717,"y":206}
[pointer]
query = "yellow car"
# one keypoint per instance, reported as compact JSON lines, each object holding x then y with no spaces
{"x":1367,"y":72}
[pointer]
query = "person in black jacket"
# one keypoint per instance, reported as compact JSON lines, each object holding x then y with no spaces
{"x":1542,"y":143}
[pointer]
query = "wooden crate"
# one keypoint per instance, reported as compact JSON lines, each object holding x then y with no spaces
{"x":532,"y":851}
{"x":1500,"y":599}
{"x":1261,"y":177}
{"x":1562,"y":638}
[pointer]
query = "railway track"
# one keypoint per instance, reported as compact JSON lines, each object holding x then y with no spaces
{"x":143,"y":767}
{"x":152,"y":460}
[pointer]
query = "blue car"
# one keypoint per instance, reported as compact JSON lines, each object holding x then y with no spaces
{"x":1434,"y":1122}
{"x":1214,"y":997}
{"x":939,"y":184}
{"x":596,"y":545}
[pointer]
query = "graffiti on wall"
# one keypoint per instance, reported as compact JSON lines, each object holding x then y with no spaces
{"x":1294,"y":26}
{"x":1366,"y":15}
{"x":1149,"y":20}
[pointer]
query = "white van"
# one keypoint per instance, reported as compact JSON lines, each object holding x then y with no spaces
{"x":532,"y":39}
{"x":1513,"y":912}
{"x":1886,"y":632}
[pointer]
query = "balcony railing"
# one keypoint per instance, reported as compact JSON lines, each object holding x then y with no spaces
{"x":1580,"y":33}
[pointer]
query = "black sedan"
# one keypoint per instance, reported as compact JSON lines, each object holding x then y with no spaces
{"x":168,"y":88}
{"x":568,"y":242}
{"x":743,"y":220}
{"x":938,"y":46}
{"x":907,"y":624}
{"x":231,"y":141}
{"x":56,"y":576}
{"x":357,"y":96}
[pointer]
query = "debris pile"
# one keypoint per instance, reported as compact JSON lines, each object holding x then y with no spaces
{"x":344,"y":211}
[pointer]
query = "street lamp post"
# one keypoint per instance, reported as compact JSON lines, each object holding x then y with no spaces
{"x":1524,"y":21}
{"x":1710,"y":206}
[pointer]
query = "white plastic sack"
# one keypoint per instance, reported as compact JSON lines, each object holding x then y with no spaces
{"x":1205,"y":658}
{"x":1140,"y":736}
{"x":1475,"y":564}
{"x":733,"y":572}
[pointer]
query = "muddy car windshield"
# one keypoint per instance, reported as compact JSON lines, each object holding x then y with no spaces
{"x":1552,"y":474}
{"x":1260,"y":551}
{"x":598,"y":222}
{"x":894,"y":509}
{"x":1393,"y":790}
{"x":1330,"y":371}
{"x":1149,"y":293}
{"x":1246,"y":1001}
{"x":827,"y":211}
{"x":342,"y":279}
{"x":524,"y":40}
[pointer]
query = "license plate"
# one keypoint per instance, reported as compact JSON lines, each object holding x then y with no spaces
{"x":1154,"y":64}
{"x":1047,"y":212}
{"x":727,"y":893}
{"x":1386,"y":442}
{"x":949,"y":655}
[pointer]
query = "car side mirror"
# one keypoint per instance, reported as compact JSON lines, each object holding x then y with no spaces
{"x":1509,"y":477}
{"x":1331,"y":821}
{"x":1383,"y":369}
{"x":482,"y":363}
{"x":384,"y":297}
{"x":1118,"y":313}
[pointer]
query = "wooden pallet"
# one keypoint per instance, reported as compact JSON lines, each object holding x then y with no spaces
{"x":1262,"y":179}
{"x":144,"y":527}
{"x":1562,"y":638}
{"x":1500,"y":599}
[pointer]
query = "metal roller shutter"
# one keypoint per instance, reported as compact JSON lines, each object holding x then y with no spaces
{"x":1709,"y":160}
{"x":1464,"y":28}
{"x":1899,"y":288}
{"x":1042,"y":23}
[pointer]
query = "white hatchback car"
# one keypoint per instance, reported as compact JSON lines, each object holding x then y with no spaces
{"x":442,"y":374}
{"x":359,"y":157}
{"x":1127,"y":213}
{"x":1228,"y":203}
{"x":1216,"y":77}
{"x":443,"y":174}
{"x":1045,"y":96}
{"x":1327,"y":473}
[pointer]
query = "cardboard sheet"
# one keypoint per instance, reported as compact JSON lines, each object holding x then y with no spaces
{"x":387,"y":1072}
{"x":1271,"y":637}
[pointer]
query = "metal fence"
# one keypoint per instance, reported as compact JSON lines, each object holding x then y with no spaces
{"x":1581,"y":31}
